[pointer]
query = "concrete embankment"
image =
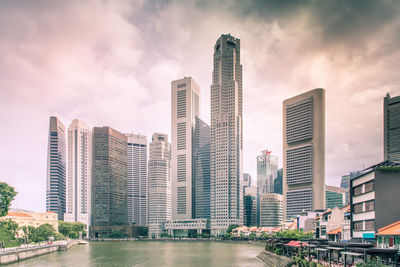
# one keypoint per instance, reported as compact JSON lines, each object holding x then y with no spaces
{"x":22,"y":253}
{"x":273,"y":260}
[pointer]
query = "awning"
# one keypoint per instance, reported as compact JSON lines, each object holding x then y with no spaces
{"x":335,"y":231}
{"x":293,"y":244}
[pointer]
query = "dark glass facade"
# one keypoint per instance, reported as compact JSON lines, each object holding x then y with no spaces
{"x":278,"y":184}
{"x":109,"y":178}
{"x":249,"y":218}
{"x":201,"y":170}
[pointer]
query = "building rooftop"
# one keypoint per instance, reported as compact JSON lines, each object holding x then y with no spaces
{"x":19,"y":214}
{"x":393,"y":163}
{"x":391,"y":229}
{"x":335,"y":231}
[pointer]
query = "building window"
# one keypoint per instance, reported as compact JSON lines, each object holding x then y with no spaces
{"x":358,"y":226}
{"x":357,"y":190}
{"x":370,"y":225}
{"x":370,"y":205}
{"x":369,"y":186}
{"x":358,"y":208}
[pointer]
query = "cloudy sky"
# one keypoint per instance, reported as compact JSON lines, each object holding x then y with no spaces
{"x":111,"y":63}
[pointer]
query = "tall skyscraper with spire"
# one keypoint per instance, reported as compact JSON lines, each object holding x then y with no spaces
{"x":226,"y":135}
{"x":79,"y":179}
{"x":56,"y":168}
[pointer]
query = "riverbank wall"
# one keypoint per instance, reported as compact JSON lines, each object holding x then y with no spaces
{"x":273,"y":260}
{"x":21,"y":253}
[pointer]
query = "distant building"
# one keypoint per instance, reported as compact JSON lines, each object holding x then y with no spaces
{"x":391,"y":127}
{"x":226,"y":135}
{"x":186,"y":228}
{"x":278,"y":186}
{"x":329,"y":224}
{"x":137,"y":180}
{"x":304,"y":153}
{"x":246,"y":182}
{"x":251,"y":190}
{"x":246,"y":179}
{"x":160,"y":184}
{"x":250,"y":210}
{"x":373,"y":199}
{"x":346,"y":226}
{"x":201,"y":171}
{"x":305,"y":220}
{"x":56,"y":168}
{"x":345,"y":182}
{"x":30,"y":218}
{"x":79,"y":179}
{"x":185,"y":108}
{"x":335,"y":197}
{"x":271,"y":210}
{"x":267,"y":171}
{"x":109,"y":181}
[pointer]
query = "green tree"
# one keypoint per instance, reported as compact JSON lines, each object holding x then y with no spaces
{"x":8,"y":232}
{"x":71,"y":229}
{"x":293,"y":234}
{"x":7,"y":194}
{"x":10,"y":226}
{"x":45,"y":231}
{"x":231,"y":227}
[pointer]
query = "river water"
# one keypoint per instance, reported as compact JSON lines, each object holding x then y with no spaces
{"x":152,"y":253}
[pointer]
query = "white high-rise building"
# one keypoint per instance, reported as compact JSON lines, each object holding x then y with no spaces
{"x":185,"y":100}
{"x":304,"y":153}
{"x":226,"y":135}
{"x":271,"y":210}
{"x":137,"y":180}
{"x":160,"y":184}
{"x":79,"y":178}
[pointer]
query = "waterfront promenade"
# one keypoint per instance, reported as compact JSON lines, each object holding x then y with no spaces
{"x":9,"y":255}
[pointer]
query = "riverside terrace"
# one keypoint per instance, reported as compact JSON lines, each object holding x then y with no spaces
{"x":328,"y":253}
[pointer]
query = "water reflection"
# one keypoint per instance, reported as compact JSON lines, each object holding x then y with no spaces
{"x":153,"y":253}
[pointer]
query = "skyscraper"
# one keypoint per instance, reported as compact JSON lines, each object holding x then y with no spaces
{"x":109,"y":180}
{"x":249,"y":210}
{"x":271,"y":210}
{"x":160,"y":184}
{"x":137,"y":179}
{"x":391,"y":127}
{"x":335,"y":197}
{"x":201,"y":170}
{"x":278,"y":182}
{"x":226,"y":135}
{"x":267,"y":171}
{"x":304,"y":152}
{"x":246,"y":182}
{"x":185,"y":100}
{"x":79,"y":178}
{"x":56,"y":168}
{"x":345,"y":182}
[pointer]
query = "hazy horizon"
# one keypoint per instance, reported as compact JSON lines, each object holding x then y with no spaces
{"x":111,"y":63}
